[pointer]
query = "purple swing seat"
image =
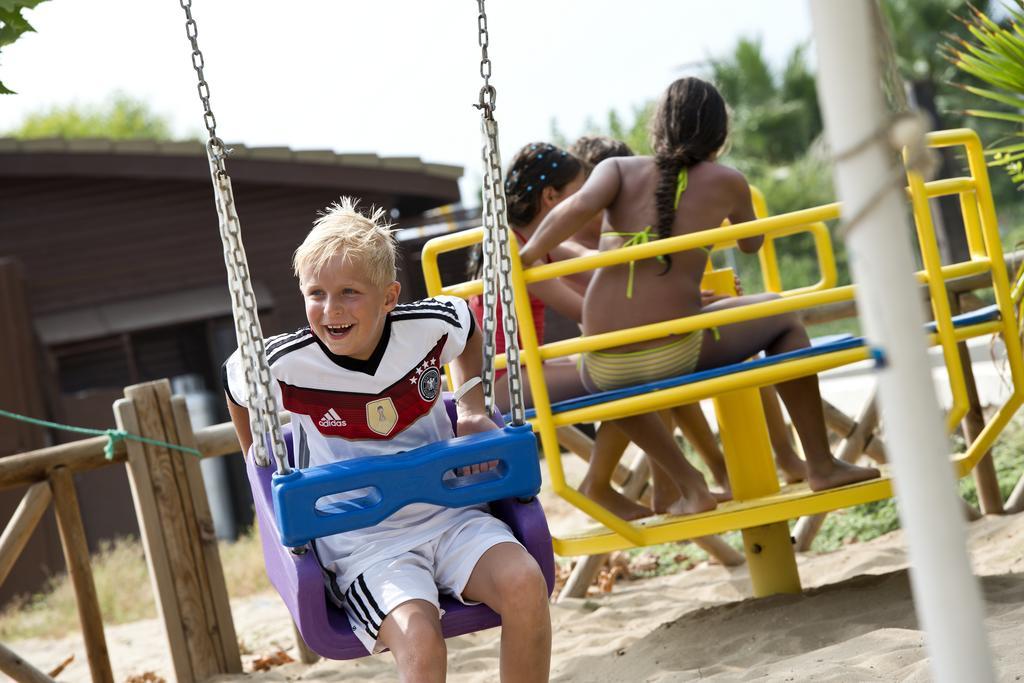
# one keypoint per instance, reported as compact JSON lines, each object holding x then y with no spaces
{"x":300,"y":582}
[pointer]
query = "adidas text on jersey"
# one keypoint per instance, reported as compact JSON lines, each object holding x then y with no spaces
{"x":332,"y":419}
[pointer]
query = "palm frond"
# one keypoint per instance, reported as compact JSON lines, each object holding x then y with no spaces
{"x":994,"y":54}
{"x":1015,"y":101}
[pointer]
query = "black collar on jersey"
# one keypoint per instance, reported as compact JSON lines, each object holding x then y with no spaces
{"x":368,"y":366}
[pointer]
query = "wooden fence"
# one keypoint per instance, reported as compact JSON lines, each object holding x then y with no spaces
{"x":174,"y":519}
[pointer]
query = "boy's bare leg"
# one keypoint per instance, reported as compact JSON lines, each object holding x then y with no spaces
{"x":649,"y":433}
{"x":774,"y":335}
{"x":412,"y":631}
{"x":508,"y":580}
{"x":609,"y":444}
{"x":697,"y":431}
{"x":793,"y":467}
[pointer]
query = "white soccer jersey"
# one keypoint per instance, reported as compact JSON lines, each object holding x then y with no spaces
{"x":342,"y":408}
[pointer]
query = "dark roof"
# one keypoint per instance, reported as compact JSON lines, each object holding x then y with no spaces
{"x":416,"y":184}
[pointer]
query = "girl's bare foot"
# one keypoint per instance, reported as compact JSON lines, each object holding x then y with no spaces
{"x":720,"y":476}
{"x":793,"y":469}
{"x":662,"y":505}
{"x":663,"y":493}
{"x":609,"y":498}
{"x":837,"y":473}
{"x":696,"y":501}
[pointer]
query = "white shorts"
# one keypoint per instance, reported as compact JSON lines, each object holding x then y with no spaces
{"x":443,"y":564}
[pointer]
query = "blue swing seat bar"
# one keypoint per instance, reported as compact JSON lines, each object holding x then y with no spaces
{"x":428,"y":475}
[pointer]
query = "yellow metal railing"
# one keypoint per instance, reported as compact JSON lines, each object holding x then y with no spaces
{"x":974,"y":193}
{"x":769,"y":259}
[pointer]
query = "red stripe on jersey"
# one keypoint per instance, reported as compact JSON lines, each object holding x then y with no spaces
{"x":353,"y":415}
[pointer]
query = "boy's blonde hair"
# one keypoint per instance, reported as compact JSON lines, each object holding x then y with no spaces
{"x":343,"y":229}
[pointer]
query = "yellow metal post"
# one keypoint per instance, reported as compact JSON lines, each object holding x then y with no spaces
{"x":748,"y":458}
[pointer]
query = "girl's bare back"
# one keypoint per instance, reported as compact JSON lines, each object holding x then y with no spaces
{"x":713,"y":193}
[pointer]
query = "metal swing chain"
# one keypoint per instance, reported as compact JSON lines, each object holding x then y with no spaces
{"x":486,"y":105}
{"x":496,"y":233}
{"x":490,"y":292}
{"x":258,"y":381}
{"x":488,"y":94}
{"x":500,"y":230}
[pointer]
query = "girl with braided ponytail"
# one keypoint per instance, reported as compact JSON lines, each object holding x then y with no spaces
{"x":681,"y":190}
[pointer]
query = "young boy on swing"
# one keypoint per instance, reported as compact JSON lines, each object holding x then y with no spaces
{"x":363,"y":378}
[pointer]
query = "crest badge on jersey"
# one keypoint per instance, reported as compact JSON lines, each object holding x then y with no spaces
{"x":429,"y":384}
{"x":381,"y":416}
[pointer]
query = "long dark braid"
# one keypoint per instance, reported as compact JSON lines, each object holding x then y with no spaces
{"x":536,"y":166}
{"x":690,"y":125}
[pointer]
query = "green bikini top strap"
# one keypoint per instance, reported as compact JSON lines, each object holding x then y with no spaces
{"x":681,"y":180}
{"x":634,"y":238}
{"x":646,"y":235}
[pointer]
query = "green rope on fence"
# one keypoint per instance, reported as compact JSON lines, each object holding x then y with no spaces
{"x":113,"y":435}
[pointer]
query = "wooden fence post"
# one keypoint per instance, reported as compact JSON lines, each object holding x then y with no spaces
{"x":21,"y":525}
{"x":207,"y":539}
{"x":76,"y":553}
{"x":174,"y":520}
{"x":990,"y":500}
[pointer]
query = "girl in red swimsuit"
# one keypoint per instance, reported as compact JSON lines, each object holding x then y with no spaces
{"x":540,"y":177}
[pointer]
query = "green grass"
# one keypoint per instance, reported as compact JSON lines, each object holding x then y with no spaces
{"x":864,"y":522}
{"x":122,"y":588}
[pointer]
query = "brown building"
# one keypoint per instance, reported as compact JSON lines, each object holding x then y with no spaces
{"x":112,"y":273}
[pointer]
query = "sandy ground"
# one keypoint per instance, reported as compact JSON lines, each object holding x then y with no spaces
{"x":855,"y":622}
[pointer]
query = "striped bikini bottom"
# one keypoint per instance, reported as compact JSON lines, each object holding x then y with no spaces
{"x":605,"y":371}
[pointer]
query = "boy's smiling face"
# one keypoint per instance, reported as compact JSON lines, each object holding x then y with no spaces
{"x":345,"y":309}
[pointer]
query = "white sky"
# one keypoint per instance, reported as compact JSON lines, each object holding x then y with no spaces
{"x":394,"y":77}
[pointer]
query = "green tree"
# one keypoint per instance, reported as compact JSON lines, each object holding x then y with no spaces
{"x":916,"y":28}
{"x":13,"y":25}
{"x":632,"y":131}
{"x":120,"y":118}
{"x":775,"y":117}
{"x":775,"y":124}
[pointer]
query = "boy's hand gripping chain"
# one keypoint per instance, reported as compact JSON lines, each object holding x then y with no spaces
{"x":262,"y":406}
{"x":496,"y":233}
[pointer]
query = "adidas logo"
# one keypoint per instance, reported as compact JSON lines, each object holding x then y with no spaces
{"x":332,"y":419}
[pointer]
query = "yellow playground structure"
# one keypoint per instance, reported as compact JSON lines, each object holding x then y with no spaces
{"x":761,"y":508}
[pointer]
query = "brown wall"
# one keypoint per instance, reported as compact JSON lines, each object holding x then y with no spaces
{"x":95,"y":241}
{"x":22,"y":393}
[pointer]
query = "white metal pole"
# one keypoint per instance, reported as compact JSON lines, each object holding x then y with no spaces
{"x":946,"y":594}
